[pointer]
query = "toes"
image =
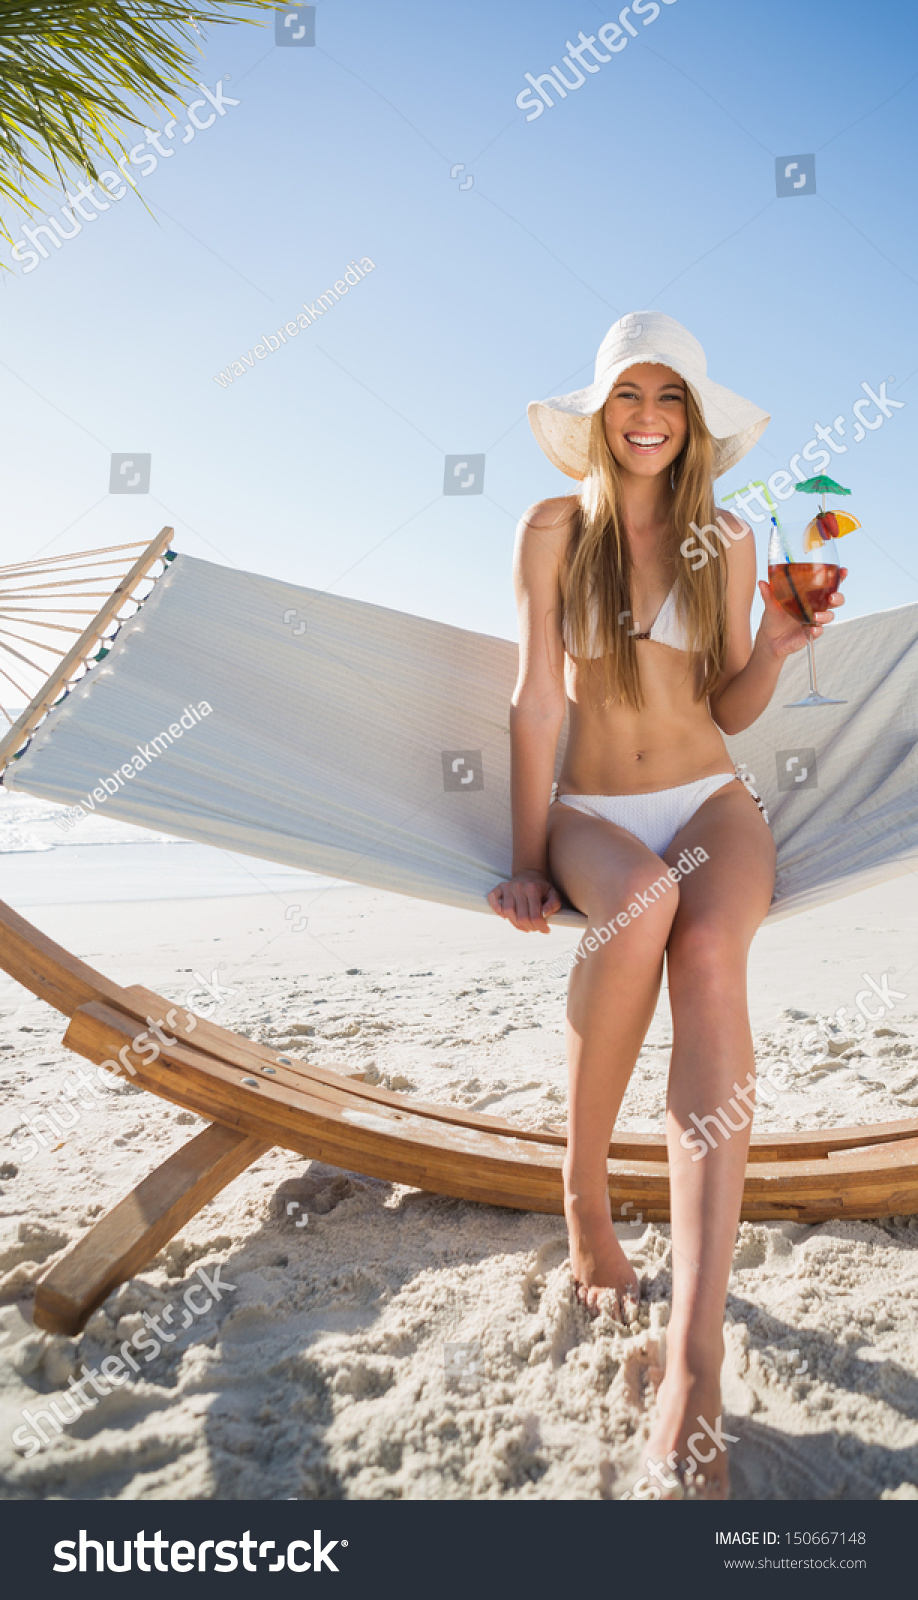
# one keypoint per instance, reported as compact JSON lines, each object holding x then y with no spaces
{"x":587,"y":1295}
{"x":624,"y":1306}
{"x":594,"y":1298}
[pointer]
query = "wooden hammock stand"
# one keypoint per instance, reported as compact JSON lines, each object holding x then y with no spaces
{"x":254,"y":1098}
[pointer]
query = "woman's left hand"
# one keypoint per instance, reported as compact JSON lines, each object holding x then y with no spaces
{"x":782,"y":633}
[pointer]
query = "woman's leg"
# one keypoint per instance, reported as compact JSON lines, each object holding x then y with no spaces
{"x":611,"y":997}
{"x":709,"y":1109}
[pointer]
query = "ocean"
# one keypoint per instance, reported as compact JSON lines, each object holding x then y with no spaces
{"x":101,"y":860}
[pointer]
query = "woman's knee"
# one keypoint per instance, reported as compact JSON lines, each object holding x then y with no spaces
{"x":707,"y":956}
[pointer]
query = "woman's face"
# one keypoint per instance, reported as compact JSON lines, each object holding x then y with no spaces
{"x":645,"y":419}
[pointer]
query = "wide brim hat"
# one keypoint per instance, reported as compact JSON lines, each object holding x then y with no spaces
{"x":562,"y":424}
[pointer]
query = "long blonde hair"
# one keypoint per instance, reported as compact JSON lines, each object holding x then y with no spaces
{"x":596,"y":580}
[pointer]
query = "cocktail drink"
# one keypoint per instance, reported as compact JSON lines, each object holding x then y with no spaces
{"x":803,"y":590}
{"x":803,"y":572}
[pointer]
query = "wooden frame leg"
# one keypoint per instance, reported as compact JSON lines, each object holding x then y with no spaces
{"x":128,"y":1237}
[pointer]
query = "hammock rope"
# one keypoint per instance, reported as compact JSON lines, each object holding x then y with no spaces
{"x":26,"y":590}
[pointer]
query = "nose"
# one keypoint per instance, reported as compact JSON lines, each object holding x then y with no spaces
{"x":646,"y":414}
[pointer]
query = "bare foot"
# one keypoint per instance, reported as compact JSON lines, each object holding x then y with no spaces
{"x":686,"y":1457}
{"x":599,"y":1265}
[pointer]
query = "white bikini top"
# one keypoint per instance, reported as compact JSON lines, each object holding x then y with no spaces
{"x":668,"y":628}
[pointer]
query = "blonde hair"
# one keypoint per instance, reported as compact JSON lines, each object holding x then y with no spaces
{"x":596,"y":581}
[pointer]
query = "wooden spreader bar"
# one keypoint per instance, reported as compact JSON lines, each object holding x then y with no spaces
{"x":91,"y":636}
{"x":254,"y":1099}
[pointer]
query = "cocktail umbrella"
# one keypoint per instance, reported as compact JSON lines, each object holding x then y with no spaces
{"x":829,"y":524}
{"x":820,"y":485}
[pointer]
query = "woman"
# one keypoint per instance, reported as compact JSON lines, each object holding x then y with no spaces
{"x":655,"y":653}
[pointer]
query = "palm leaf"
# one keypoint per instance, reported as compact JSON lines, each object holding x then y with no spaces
{"x":74,"y":75}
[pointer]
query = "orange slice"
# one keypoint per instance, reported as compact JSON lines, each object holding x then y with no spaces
{"x":828,"y":525}
{"x":844,"y":522}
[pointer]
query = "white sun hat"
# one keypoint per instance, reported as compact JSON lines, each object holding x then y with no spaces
{"x":562,"y":424}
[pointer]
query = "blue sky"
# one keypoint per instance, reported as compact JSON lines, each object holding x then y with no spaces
{"x":652,"y":185}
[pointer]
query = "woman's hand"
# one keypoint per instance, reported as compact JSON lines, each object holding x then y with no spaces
{"x":526,"y":900}
{"x":781,"y":633}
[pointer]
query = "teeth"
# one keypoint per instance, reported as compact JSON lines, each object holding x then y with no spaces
{"x":646,"y":439}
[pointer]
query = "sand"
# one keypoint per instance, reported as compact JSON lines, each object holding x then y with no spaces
{"x":381,"y":1343}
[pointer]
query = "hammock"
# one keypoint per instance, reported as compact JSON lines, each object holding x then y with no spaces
{"x":351,"y":740}
{"x":373,"y":746}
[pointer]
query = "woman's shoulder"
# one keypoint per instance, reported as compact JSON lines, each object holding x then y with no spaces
{"x":542,"y":537}
{"x":550,"y":521}
{"x":740,"y":552}
{"x":735,"y":526}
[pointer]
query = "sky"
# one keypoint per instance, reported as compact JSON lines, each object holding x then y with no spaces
{"x":501,"y":246}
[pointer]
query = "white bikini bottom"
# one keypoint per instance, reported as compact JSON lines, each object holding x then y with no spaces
{"x":657,"y":817}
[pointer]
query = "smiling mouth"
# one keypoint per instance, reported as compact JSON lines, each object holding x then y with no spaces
{"x":646,"y":443}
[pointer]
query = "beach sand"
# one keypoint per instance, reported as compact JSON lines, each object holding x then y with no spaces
{"x":381,"y":1343}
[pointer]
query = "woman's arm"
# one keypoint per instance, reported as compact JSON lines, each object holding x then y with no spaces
{"x":536,"y":712}
{"x":751,"y":670}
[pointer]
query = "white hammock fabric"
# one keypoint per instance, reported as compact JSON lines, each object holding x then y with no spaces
{"x":372,"y":746}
